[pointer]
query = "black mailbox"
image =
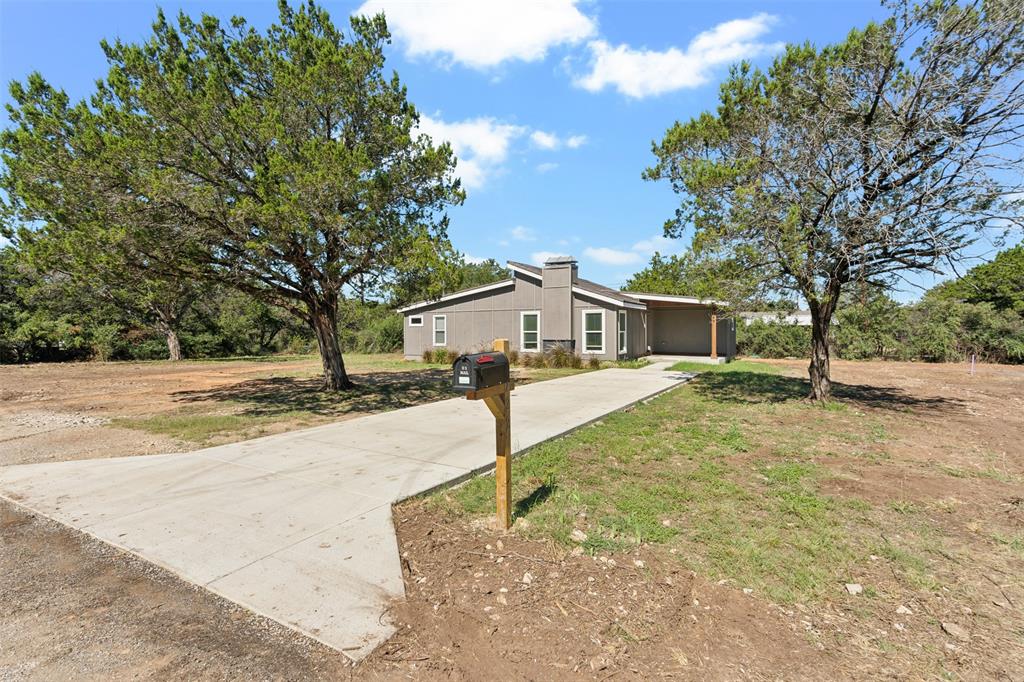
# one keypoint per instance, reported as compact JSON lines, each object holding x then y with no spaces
{"x":479,"y":370}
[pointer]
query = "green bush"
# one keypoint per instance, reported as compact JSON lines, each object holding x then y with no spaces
{"x":369,"y":328}
{"x":761,"y":339}
{"x":875,"y":328}
{"x":950,"y":331}
{"x":107,"y":341}
{"x":933,"y":330}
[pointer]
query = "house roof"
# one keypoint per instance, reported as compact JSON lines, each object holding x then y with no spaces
{"x":622,"y":299}
{"x":458,"y":294}
{"x":583,"y":286}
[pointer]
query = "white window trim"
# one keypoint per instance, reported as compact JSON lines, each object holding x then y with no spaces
{"x":623,"y":331}
{"x":522,"y":332}
{"x":583,"y":331}
{"x":434,"y":330}
{"x":415,"y":317}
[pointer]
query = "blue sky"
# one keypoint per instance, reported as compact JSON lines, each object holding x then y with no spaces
{"x":551,"y":108}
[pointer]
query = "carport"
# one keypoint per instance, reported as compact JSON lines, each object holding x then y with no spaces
{"x":685,"y":326}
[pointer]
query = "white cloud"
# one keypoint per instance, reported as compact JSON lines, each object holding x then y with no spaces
{"x":544,"y":140}
{"x":640,"y":251}
{"x":481,"y":144}
{"x":603,"y":254}
{"x":522,"y":234}
{"x":550,"y":141}
{"x":538,"y":257}
{"x":642,"y":73}
{"x":576,"y":141}
{"x":659,"y":243}
{"x":546,"y":167}
{"x":482,"y":35}
{"x":473,"y":260}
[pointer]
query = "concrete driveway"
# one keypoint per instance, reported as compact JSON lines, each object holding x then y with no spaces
{"x":297,"y":527}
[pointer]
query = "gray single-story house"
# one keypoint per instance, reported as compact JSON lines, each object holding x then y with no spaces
{"x":539,"y":308}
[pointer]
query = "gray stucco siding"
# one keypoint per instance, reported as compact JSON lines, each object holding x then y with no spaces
{"x":473,"y":322}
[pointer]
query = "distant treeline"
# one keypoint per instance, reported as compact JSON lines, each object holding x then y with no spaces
{"x":981,"y":314}
{"x":49,"y":317}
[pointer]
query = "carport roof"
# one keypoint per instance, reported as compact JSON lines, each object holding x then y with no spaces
{"x":672,"y":298}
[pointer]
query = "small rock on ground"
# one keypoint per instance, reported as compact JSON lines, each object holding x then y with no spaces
{"x":956,"y":631}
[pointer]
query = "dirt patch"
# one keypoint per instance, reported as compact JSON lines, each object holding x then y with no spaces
{"x":56,"y":412}
{"x":61,"y":412}
{"x":485,"y":605}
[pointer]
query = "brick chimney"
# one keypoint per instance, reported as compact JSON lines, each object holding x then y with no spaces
{"x":556,"y":315}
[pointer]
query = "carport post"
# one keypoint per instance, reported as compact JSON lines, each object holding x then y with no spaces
{"x":714,"y":334}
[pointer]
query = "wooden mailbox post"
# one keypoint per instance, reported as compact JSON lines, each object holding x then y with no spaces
{"x":499,"y":402}
{"x":498,"y":399}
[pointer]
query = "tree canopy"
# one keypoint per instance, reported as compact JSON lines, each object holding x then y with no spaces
{"x":686,"y":274}
{"x":283,"y":163}
{"x":887,"y":153}
{"x":999,"y":282}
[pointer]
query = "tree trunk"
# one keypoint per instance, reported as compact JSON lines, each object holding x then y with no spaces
{"x":167,"y":323}
{"x":324,"y":317}
{"x":173,"y":344}
{"x":820,"y":372}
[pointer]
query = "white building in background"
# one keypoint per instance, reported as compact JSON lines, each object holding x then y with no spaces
{"x":801,"y":318}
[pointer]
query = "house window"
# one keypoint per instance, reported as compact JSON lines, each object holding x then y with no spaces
{"x":593,"y":331}
{"x":529,"y":339}
{"x":440,"y":330}
{"x":622,"y":331}
{"x":416,"y":321}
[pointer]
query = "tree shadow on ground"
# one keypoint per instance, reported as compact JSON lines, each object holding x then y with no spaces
{"x":756,"y":387}
{"x":525,"y":506}
{"x":373,"y":392}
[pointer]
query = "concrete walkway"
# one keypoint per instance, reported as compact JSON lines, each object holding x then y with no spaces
{"x":297,"y":526}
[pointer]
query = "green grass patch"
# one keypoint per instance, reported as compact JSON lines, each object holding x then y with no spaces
{"x":989,"y":473}
{"x":727,"y":471}
{"x":1014,"y":543}
{"x":734,"y":366}
{"x":904,"y":507}
{"x":706,"y":472}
